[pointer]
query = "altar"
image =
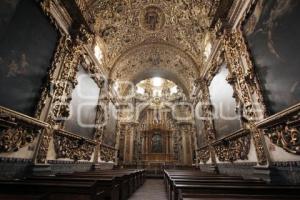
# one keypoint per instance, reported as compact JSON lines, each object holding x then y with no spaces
{"x":157,"y":146}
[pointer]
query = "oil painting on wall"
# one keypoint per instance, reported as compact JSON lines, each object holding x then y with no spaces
{"x":27,"y":45}
{"x":272,"y":31}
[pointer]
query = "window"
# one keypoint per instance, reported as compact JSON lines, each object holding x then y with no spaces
{"x":98,"y":53}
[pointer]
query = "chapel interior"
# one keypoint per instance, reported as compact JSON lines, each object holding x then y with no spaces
{"x":149,"y":99}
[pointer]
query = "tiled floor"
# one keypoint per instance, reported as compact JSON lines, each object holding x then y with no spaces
{"x":153,"y":189}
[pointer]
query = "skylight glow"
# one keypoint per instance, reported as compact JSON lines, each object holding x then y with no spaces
{"x":140,"y":90}
{"x":98,"y":53}
{"x":174,"y":90}
{"x":207,"y":51}
{"x":157,"y":82}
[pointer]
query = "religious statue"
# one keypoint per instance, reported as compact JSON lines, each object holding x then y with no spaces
{"x":152,"y":20}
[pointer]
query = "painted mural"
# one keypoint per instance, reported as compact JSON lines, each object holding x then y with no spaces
{"x":28,"y":42}
{"x":272,"y":31}
{"x":83,"y":106}
{"x":226,"y":119}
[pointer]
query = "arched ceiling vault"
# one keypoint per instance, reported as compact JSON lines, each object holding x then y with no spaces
{"x":156,"y":59}
{"x":153,"y":36}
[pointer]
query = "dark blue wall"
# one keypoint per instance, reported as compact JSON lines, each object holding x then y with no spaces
{"x":28,"y":42}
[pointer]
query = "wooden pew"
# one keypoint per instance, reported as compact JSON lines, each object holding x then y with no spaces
{"x":109,"y":185}
{"x":187,"y":181}
{"x":191,"y":185}
{"x":121,"y":180}
{"x":100,"y":184}
{"x":240,"y":191}
{"x":23,"y":196}
{"x":64,"y":190}
{"x":128,"y":180}
{"x":190,"y":196}
{"x":189,"y":176}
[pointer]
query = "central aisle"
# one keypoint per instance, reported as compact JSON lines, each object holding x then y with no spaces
{"x":153,"y":189}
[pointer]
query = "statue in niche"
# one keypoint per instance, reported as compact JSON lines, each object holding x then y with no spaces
{"x":152,"y":20}
{"x":156,"y":143}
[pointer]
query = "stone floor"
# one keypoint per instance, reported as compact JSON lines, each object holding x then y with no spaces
{"x":153,"y":189}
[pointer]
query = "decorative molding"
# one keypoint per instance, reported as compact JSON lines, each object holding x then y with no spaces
{"x":46,"y":90}
{"x":120,"y":25}
{"x":238,"y":12}
{"x":64,"y":85}
{"x":58,"y":15}
{"x":234,"y":147}
{"x":107,"y":153}
{"x":237,"y":165}
{"x":246,"y":87}
{"x":283,"y":129}
{"x":15,"y":160}
{"x":203,"y":154}
{"x":207,"y":110}
{"x":163,"y":57}
{"x":86,"y":9}
{"x":68,"y":162}
{"x":17,"y":130}
{"x":71,"y":146}
{"x":62,"y":75}
{"x":286,"y":164}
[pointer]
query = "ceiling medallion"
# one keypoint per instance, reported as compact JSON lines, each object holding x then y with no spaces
{"x":152,"y":18}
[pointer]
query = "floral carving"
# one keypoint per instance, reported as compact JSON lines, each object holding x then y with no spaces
{"x":233,"y":149}
{"x":107,"y":153}
{"x":72,"y":147}
{"x":283,"y":129}
{"x":204,"y":154}
{"x":17,"y":130}
{"x":185,"y":22}
{"x":246,"y":87}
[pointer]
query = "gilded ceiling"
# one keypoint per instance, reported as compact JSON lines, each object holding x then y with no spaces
{"x":162,"y":35}
{"x":156,"y":59}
